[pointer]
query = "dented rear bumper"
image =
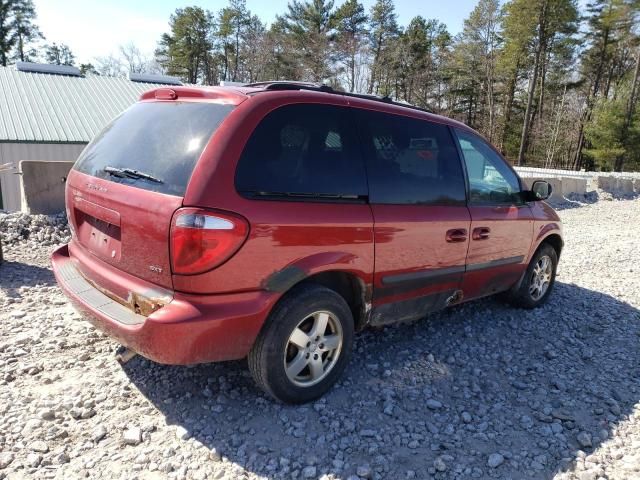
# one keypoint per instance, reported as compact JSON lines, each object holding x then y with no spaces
{"x":187,"y":329}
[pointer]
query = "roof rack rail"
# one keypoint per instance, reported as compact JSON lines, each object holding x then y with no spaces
{"x":271,"y":84}
{"x":320,"y":87}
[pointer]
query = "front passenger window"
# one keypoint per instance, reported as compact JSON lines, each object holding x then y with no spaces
{"x":491,"y":181}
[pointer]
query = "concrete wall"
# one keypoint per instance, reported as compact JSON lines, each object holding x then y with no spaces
{"x":13,"y":153}
{"x":574,"y":182}
{"x":618,"y":185}
{"x":574,"y":185}
{"x":43,"y":186}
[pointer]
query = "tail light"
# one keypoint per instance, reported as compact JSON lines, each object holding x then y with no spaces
{"x":202,"y":240}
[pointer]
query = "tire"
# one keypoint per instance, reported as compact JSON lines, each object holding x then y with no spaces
{"x":527,"y":295}
{"x":291,"y":340}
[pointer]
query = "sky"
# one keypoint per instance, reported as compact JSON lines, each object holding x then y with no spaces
{"x":94,"y":28}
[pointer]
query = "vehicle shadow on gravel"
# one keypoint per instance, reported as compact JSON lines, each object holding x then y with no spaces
{"x":16,"y":275}
{"x":481,"y":390}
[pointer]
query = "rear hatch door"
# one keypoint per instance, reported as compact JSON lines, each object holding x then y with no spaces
{"x":131,"y":178}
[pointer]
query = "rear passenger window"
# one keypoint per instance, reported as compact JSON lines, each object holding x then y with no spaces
{"x":410,"y":161}
{"x":307,"y":151}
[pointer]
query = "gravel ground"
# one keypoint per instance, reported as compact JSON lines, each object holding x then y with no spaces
{"x":479,"y":391}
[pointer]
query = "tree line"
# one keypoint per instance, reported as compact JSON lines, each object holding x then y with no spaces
{"x":548,"y":83}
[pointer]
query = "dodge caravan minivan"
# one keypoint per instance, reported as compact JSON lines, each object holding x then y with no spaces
{"x":273,"y":221}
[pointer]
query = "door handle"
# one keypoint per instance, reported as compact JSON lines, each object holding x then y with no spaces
{"x":481,"y":233}
{"x":456,"y":235}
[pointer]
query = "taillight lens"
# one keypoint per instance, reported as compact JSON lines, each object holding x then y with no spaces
{"x":202,"y":240}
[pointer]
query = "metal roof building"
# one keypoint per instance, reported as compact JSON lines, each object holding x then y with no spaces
{"x":49,"y":113}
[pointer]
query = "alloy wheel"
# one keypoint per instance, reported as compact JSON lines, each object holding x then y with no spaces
{"x":313,"y":349}
{"x":540,"y":278}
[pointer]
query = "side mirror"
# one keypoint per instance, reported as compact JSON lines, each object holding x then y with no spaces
{"x":541,"y":190}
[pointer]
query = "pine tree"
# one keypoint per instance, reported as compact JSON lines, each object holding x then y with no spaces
{"x":232,"y":26}
{"x":254,"y":51}
{"x":224,"y":34}
{"x":383,"y":28}
{"x":25,"y":30}
{"x":88,"y":69}
{"x":281,"y":61}
{"x":7,"y":37}
{"x":517,"y":30}
{"x":185,"y":51}
{"x":610,"y":25}
{"x":532,"y":29}
{"x":59,"y":54}
{"x":611,"y":133}
{"x":477,"y":49}
{"x":311,"y":27}
{"x":417,"y":63}
{"x":350,"y":21}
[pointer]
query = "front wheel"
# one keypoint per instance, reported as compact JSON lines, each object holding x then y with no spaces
{"x":538,"y":280}
{"x":304,"y":345}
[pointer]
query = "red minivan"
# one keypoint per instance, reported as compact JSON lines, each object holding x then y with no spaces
{"x":273,"y":221}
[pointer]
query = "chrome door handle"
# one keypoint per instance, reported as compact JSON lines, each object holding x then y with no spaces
{"x":481,"y":233}
{"x":456,"y":235}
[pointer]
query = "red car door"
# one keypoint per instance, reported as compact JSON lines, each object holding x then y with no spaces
{"x":501,"y":223}
{"x":421,"y":222}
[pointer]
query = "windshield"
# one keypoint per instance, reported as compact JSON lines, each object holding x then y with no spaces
{"x":158,"y":140}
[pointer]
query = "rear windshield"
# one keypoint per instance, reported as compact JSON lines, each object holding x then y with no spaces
{"x":161,"y":141}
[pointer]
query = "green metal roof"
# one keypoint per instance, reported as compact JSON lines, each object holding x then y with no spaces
{"x":42,"y":107}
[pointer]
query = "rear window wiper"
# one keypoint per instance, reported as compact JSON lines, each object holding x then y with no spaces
{"x":131,"y":173}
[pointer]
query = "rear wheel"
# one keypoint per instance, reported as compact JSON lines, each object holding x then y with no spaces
{"x":538,"y":280}
{"x":304,"y":345}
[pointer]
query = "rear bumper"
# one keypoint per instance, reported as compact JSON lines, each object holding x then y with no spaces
{"x":189,"y":329}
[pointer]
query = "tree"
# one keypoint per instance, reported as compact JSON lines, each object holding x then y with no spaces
{"x":630,"y":118}
{"x":350,"y":21}
{"x":465,"y":83}
{"x":610,"y":27}
{"x":88,"y":69}
{"x":611,"y":133}
{"x":310,"y":25}
{"x":254,"y":51}
{"x":240,"y":18}
{"x":281,"y":63}
{"x":234,"y":23}
{"x":552,"y":18}
{"x":417,"y":65}
{"x":7,"y":37}
{"x":477,"y":49}
{"x":59,"y":54}
{"x":224,"y":32}
{"x":185,"y":51}
{"x":110,"y":66}
{"x":17,"y":30}
{"x":134,"y":59}
{"x":383,"y":28}
{"x":25,"y":30}
{"x":512,"y":59}
{"x":413,"y":59}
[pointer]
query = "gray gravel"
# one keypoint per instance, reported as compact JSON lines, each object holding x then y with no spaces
{"x":33,"y":231}
{"x":479,"y":391}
